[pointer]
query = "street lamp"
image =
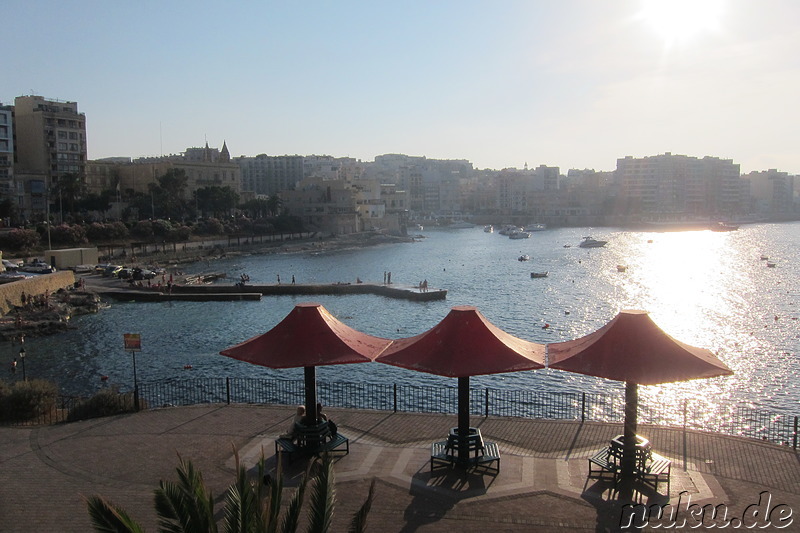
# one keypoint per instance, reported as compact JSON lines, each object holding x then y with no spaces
{"x":22,"y":356}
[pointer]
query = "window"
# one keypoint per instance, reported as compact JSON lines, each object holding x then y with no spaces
{"x":72,"y":124}
{"x":62,"y":146}
{"x":73,"y":135}
{"x":62,"y":122}
{"x":73,"y":147}
{"x":62,"y":134}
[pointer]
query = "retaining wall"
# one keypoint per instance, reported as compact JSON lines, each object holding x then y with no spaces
{"x":11,"y":293}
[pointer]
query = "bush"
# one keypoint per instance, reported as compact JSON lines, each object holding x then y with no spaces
{"x":27,"y":400}
{"x":115,"y":231}
{"x":161,"y":228}
{"x":19,"y":240}
{"x":69,"y":235}
{"x":143,"y":230}
{"x":107,"y":402}
{"x":211,"y":226}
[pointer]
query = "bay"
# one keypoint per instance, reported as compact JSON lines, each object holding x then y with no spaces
{"x":704,"y":288}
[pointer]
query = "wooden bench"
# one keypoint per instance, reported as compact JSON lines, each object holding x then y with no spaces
{"x":443,"y":455}
{"x":654,"y":471}
{"x":658,"y":469}
{"x":312,"y":440}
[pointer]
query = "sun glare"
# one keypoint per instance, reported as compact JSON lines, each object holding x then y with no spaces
{"x":679,"y":21}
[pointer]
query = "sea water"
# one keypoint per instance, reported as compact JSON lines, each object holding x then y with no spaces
{"x":704,"y":288}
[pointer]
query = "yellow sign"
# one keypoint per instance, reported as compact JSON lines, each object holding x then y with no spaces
{"x":133,"y":342}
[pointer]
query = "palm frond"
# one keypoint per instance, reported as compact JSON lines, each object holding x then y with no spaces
{"x":359,"y":522}
{"x":241,"y":503}
{"x":107,"y":518}
{"x":186,"y":506}
{"x":323,"y":498}
{"x":292,"y":515}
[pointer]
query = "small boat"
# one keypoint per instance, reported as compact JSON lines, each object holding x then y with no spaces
{"x":419,"y":227}
{"x":764,"y":257}
{"x":622,"y":268}
{"x":722,"y":226}
{"x":519,"y":235}
{"x":508,"y":229}
{"x":567,"y":246}
{"x":770,"y":264}
{"x":538,"y":274}
{"x":524,"y":258}
{"x":535,"y":227}
{"x":589,"y":242}
{"x":488,"y":228}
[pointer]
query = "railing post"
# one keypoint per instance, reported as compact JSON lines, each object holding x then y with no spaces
{"x":684,"y":414}
{"x":794,"y":444}
{"x":486,"y":412}
{"x":583,"y":407}
{"x":228,"y":389}
{"x":395,"y":397}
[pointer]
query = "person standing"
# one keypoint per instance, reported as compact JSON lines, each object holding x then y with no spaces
{"x":279,"y":279}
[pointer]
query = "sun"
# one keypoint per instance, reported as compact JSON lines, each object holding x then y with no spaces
{"x":680,"y":21}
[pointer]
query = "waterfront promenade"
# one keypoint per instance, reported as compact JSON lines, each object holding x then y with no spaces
{"x":542,"y":484}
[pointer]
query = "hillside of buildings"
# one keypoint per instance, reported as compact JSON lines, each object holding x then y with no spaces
{"x":45,"y":176}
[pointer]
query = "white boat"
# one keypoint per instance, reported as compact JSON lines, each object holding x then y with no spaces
{"x":419,"y":227}
{"x":488,"y":228}
{"x":535,"y":227}
{"x":525,"y":257}
{"x":519,"y":235}
{"x":538,"y":274}
{"x":588,"y":242}
{"x":508,"y":229}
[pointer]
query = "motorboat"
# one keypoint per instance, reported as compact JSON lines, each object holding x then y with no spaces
{"x":722,"y":226}
{"x":488,"y":228}
{"x":508,"y":229}
{"x":622,"y":268}
{"x":525,"y":257}
{"x":589,"y":242}
{"x":519,"y":235}
{"x":770,"y":264}
{"x":535,"y":227}
{"x":538,"y":274}
{"x":764,"y":257}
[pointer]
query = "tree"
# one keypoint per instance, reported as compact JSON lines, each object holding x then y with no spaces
{"x":255,"y":208}
{"x":216,"y":200}
{"x":274,"y":205}
{"x":251,"y":505}
{"x":69,"y":188}
{"x":166,"y":196}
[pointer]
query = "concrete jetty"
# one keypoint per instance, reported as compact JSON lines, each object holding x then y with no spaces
{"x":407,"y":292}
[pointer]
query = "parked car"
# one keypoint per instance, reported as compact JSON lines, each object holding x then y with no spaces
{"x":112,"y":270}
{"x":142,"y":273}
{"x":125,"y":273}
{"x":37,"y":266}
{"x":10,"y":265}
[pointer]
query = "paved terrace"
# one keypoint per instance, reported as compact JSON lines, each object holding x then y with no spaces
{"x":542,"y":485}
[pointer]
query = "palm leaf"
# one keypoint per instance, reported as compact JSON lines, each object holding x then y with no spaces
{"x":241,"y":503}
{"x":185,"y":506}
{"x":323,"y":498}
{"x":292,"y":515}
{"x":359,"y":523}
{"x":107,"y":518}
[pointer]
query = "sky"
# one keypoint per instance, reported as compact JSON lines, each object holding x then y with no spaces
{"x":567,"y":83}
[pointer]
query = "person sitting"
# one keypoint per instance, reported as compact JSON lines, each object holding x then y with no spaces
{"x":320,"y":415}
{"x":298,"y":420}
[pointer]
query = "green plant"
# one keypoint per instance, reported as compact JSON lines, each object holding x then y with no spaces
{"x":26,"y":400}
{"x":251,"y":505}
{"x":107,"y":402}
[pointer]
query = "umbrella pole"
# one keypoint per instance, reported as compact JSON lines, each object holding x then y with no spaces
{"x":463,"y":420}
{"x":629,"y":432}
{"x":310,"y":378}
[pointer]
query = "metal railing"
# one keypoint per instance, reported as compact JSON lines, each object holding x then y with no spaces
{"x":739,"y":420}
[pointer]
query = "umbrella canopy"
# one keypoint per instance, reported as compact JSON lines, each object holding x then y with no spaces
{"x":464,"y":344}
{"x":307,"y":337}
{"x":632,"y":348}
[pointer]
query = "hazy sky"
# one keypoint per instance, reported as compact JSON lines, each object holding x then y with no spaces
{"x":569,"y":83}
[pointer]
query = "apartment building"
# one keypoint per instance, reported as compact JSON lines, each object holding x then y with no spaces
{"x":772,"y":192}
{"x":269,"y":175}
{"x":680,"y":184}
{"x":7,"y":150}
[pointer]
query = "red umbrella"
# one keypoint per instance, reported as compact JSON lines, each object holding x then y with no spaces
{"x":464,"y":344}
{"x":632,"y":348}
{"x":308,"y":336}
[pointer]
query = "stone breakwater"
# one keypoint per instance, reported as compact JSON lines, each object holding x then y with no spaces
{"x":42,"y":305}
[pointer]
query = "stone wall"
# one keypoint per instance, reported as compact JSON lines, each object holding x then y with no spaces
{"x":11,"y":293}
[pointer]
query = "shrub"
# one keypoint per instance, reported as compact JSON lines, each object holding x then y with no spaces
{"x":70,"y":235}
{"x":107,"y":402}
{"x":19,"y":240}
{"x":143,"y":229}
{"x":27,"y":400}
{"x":162,"y":228}
{"x":211,"y":226}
